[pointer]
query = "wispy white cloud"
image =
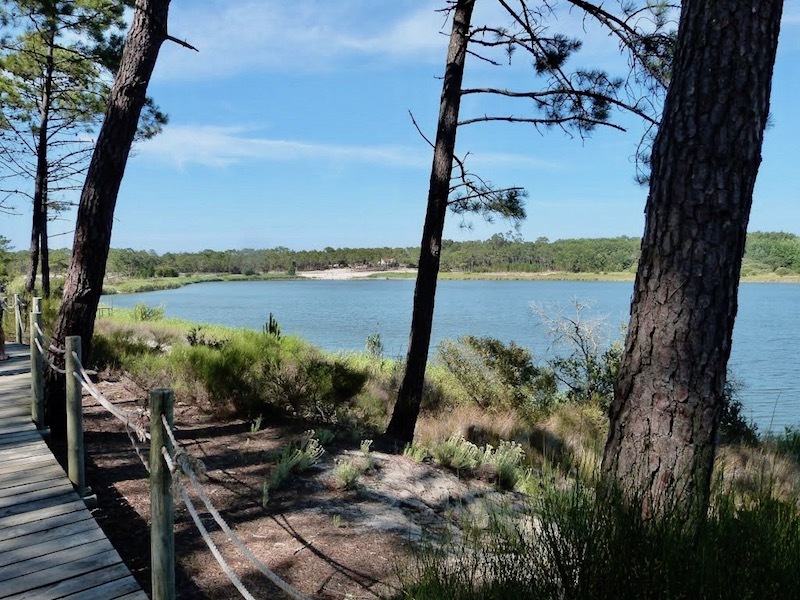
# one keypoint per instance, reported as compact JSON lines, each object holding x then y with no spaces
{"x":215,"y":146}
{"x":262,"y":35}
{"x":219,"y":147}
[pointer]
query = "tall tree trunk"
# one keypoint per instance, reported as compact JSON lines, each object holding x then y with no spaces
{"x":39,"y":224}
{"x":44,"y":249}
{"x":406,"y":409}
{"x":668,"y":397}
{"x":84,"y":281}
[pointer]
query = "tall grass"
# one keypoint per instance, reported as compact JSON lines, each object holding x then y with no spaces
{"x":584,"y":543}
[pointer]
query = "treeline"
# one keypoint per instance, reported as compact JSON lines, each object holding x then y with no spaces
{"x":777,"y":253}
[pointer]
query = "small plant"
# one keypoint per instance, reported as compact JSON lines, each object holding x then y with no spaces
{"x":457,"y":453}
{"x":271,"y":327}
{"x":346,"y":474}
{"x":197,"y":337}
{"x":505,"y":460}
{"x":255,"y":424}
{"x":142,"y":312}
{"x":367,"y":454}
{"x":325,"y":436}
{"x":265,"y":494}
{"x":415,"y":452}
{"x":295,"y":460}
{"x":337,"y":520}
{"x":375,"y":345}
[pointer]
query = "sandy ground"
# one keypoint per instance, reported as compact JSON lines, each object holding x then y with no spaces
{"x":348,"y":273}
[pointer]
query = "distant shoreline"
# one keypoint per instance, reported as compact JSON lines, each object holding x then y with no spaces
{"x":133,"y":286}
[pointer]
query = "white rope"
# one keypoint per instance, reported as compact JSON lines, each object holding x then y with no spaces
{"x":49,"y":341}
{"x":129,"y":419}
{"x":51,"y":364}
{"x":212,"y":546}
{"x":186,"y":467}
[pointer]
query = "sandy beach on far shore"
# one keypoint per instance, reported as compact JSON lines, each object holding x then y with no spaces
{"x":348,"y":273}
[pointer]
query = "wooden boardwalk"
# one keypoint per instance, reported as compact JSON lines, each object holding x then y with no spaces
{"x":50,"y":546}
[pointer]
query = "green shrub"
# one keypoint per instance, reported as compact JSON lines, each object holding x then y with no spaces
{"x":311,"y":384}
{"x":166,"y":272}
{"x":506,"y":462}
{"x":142,"y":312}
{"x":346,"y":474}
{"x":197,"y":337}
{"x":734,"y":428}
{"x":494,"y":375}
{"x":457,"y":453}
{"x":295,"y":459}
{"x":789,"y":442}
{"x":374,"y":345}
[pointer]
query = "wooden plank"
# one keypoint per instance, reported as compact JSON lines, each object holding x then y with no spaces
{"x":9,"y":511}
{"x":16,"y":467}
{"x":12,"y":488}
{"x":24,"y":454}
{"x":52,"y":532}
{"x":134,"y":596}
{"x":23,"y":435}
{"x":46,"y":547}
{"x":42,"y":512}
{"x":77,"y":568}
{"x":37,"y":472}
{"x":63,"y":487}
{"x":109,"y":591}
{"x":36,"y":526}
{"x":16,"y":424}
{"x":63,"y":557}
{"x":50,"y":546}
{"x":75,"y":585}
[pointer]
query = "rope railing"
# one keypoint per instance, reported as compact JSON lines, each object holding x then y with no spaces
{"x":47,"y":359}
{"x":187,"y":468}
{"x":47,"y":340}
{"x":178,"y":462}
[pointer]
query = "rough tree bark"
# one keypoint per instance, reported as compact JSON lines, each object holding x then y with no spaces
{"x":409,"y":398}
{"x":84,"y":279}
{"x":668,"y":397}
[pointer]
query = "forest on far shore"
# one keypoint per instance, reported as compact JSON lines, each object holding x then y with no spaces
{"x":765,"y":253}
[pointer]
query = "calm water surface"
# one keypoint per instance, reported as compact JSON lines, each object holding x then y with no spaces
{"x":339,"y":315}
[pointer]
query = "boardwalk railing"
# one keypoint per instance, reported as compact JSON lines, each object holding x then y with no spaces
{"x":168,"y":463}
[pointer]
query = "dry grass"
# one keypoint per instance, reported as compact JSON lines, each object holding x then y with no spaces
{"x":749,"y":471}
{"x":474,"y":423}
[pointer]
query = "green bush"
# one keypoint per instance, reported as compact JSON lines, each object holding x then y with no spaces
{"x":494,"y":375}
{"x":457,"y":453}
{"x":166,"y":272}
{"x":142,"y":312}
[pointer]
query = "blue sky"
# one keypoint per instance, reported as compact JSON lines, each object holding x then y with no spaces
{"x":290,"y":128}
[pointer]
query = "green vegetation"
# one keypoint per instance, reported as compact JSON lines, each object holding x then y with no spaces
{"x":768,"y":257}
{"x":495,"y":413}
{"x":564,"y":542}
{"x":293,"y":460}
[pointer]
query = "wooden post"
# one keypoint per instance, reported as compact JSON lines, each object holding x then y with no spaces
{"x":162,"y":511}
{"x":37,"y":367}
{"x":17,"y":319}
{"x":75,"y":464}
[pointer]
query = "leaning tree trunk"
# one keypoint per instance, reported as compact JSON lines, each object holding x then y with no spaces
{"x":84,"y":281}
{"x":409,"y":398}
{"x":668,"y":396}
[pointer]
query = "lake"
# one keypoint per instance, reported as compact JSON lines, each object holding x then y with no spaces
{"x":339,"y":315}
